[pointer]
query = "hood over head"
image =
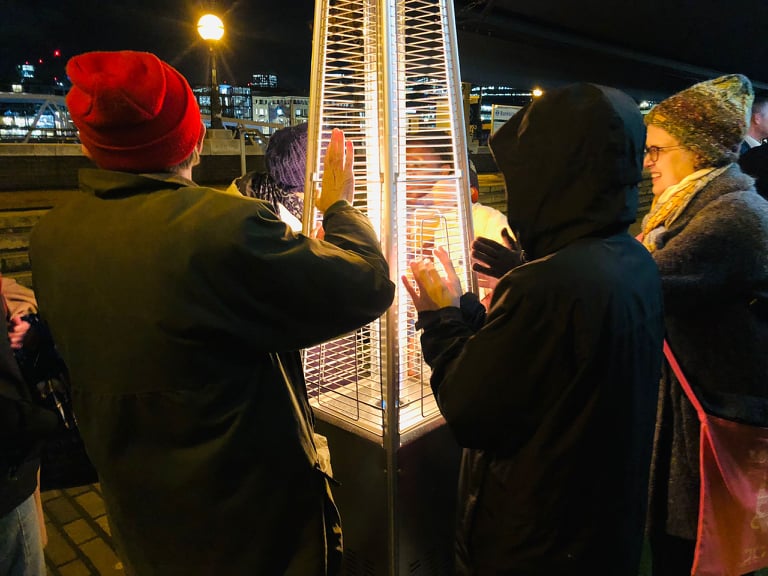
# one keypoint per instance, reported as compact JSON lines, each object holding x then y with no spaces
{"x":571,"y":161}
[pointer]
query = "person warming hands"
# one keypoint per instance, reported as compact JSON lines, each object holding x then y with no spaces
{"x":552,"y":394}
{"x":185,"y":368}
{"x":338,"y":178}
{"x":433,"y":292}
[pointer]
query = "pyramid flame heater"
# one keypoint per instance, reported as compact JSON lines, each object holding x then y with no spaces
{"x":387,"y":73}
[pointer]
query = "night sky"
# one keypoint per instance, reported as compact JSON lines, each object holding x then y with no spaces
{"x":565,"y":44}
{"x":261,"y":36}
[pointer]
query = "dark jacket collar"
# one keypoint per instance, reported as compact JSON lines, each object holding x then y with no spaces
{"x":113,"y":184}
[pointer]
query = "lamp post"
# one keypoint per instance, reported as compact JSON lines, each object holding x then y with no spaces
{"x":211,"y":29}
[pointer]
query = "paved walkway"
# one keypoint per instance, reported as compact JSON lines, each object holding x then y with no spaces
{"x":79,"y":542}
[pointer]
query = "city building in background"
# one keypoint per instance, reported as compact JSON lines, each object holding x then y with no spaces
{"x":42,"y":76}
{"x":486,"y":103}
{"x":280,"y":110}
{"x":43,"y":117}
{"x":273,"y":106}
{"x":236,"y":103}
{"x":34,"y":109}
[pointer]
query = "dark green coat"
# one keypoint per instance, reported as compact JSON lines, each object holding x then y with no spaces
{"x":169,"y":303}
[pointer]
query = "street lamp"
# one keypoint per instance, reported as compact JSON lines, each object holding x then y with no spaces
{"x":211,"y":29}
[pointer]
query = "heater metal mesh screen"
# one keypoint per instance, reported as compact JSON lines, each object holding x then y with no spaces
{"x":403,"y":88}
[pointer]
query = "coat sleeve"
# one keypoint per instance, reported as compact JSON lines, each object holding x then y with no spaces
{"x":292,"y":291}
{"x":717,"y":249}
{"x":493,"y":386}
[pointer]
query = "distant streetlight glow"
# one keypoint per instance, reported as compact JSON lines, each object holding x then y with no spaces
{"x":537,"y":92}
{"x":211,"y":29}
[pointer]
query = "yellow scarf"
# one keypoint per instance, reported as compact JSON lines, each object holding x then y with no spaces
{"x":668,"y":206}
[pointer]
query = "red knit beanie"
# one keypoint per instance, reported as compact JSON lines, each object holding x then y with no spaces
{"x":135,"y":113}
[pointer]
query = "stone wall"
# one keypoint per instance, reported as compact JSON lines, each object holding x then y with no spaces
{"x":36,"y":177}
{"x":54,"y":166}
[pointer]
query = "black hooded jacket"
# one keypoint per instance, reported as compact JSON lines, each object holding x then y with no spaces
{"x":554,"y":396}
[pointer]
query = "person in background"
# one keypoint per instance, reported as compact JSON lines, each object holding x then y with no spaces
{"x":487,"y":221}
{"x":434,"y":155}
{"x":553,"y":393}
{"x":23,"y":427}
{"x":707,"y":230}
{"x":427,"y":158}
{"x":180,"y":312}
{"x":758,"y":125}
{"x":282,"y":185}
{"x":755,"y":163}
{"x":488,"y":224}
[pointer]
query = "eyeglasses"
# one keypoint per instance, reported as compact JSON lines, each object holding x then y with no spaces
{"x":653,"y":151}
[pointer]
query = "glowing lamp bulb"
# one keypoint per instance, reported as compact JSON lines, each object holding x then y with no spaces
{"x":210,"y":27}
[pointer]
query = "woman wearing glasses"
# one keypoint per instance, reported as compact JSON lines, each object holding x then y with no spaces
{"x":708,"y":232}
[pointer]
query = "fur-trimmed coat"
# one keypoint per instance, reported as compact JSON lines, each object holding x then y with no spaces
{"x":714,"y":269}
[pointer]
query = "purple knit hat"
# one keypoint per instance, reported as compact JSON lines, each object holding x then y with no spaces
{"x":286,"y":157}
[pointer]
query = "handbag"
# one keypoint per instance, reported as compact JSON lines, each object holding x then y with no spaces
{"x":732,"y":535}
{"x":64,"y":462}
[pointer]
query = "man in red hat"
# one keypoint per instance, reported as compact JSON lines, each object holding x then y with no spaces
{"x":180,"y":312}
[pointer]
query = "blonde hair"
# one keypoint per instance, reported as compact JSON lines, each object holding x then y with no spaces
{"x":189,"y":162}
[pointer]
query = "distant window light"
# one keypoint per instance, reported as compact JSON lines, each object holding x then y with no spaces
{"x":27,"y":71}
{"x":264,"y":80}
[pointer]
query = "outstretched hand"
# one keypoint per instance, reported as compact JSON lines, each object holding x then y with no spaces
{"x":432,"y":291}
{"x":338,"y":178}
{"x":17,"y":332}
{"x":494,"y":259}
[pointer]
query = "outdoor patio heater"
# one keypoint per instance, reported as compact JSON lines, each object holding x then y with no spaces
{"x":387,"y":73}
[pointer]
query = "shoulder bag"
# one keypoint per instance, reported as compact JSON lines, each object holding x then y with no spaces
{"x":732,"y":534}
{"x":64,"y":462}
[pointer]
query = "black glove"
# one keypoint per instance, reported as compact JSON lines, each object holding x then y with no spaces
{"x":494,"y":259}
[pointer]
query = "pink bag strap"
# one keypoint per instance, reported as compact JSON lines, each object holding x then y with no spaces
{"x":683,"y":380}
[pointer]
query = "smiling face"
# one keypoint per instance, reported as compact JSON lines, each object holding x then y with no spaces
{"x":672,"y":165}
